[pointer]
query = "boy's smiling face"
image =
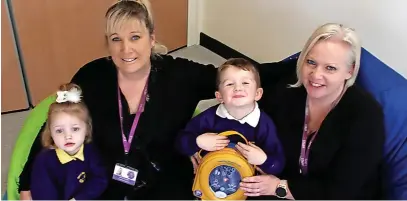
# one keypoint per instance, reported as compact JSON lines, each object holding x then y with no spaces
{"x":238,"y":88}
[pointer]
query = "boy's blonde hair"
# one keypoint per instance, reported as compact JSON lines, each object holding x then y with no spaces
{"x":239,"y":63}
{"x":77,"y":109}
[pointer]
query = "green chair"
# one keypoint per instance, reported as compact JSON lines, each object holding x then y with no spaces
{"x":26,"y":138}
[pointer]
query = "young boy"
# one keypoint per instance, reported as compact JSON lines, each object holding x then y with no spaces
{"x":239,"y":88}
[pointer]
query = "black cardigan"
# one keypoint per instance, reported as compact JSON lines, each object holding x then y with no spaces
{"x":346,"y":156}
{"x":175,"y":88}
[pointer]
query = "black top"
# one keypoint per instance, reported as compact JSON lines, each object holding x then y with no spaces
{"x":175,"y":88}
{"x":346,"y":155}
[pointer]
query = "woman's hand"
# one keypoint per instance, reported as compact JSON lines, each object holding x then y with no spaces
{"x":196,"y":160}
{"x":25,"y":195}
{"x":211,"y":141}
{"x":254,"y":154}
{"x":259,"y":185}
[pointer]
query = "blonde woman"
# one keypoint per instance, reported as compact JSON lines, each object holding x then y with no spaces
{"x":331,"y":130}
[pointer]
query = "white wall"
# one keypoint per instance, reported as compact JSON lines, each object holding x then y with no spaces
{"x":195,"y":12}
{"x":193,"y":22}
{"x":269,"y":30}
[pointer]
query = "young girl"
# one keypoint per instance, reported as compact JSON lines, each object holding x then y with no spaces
{"x":69,"y":167}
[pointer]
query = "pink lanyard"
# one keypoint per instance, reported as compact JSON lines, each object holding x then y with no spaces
{"x":304,"y":148}
{"x":127,"y":143}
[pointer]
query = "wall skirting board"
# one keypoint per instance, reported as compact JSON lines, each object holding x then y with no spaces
{"x":221,"y":49}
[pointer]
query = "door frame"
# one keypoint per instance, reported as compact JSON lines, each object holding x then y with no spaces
{"x":194,"y":22}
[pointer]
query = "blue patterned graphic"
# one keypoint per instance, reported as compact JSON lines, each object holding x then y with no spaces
{"x":224,"y":180}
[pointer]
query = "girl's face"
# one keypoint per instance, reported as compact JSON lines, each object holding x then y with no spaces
{"x":68,"y":132}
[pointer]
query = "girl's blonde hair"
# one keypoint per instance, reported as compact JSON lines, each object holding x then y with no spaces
{"x":330,"y":31}
{"x":126,"y":10}
{"x":77,"y":109}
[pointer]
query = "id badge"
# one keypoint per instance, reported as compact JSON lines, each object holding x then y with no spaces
{"x":125,"y":174}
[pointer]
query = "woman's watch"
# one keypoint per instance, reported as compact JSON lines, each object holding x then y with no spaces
{"x":281,"y":190}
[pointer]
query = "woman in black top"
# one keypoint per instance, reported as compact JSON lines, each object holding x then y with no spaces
{"x":173,"y":88}
{"x":332,"y":132}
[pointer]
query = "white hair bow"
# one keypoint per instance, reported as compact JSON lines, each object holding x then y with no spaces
{"x":73,"y":95}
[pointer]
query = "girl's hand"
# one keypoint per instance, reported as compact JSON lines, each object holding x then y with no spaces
{"x":25,"y":195}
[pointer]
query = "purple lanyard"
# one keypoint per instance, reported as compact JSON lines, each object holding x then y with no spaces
{"x":304,"y":148}
{"x":127,"y":143}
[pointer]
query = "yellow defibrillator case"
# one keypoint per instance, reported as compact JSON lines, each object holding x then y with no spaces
{"x":220,"y":173}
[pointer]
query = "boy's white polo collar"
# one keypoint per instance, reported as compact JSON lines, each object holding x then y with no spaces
{"x":252,"y":118}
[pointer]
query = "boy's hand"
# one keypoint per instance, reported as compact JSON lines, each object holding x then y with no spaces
{"x":211,"y":141}
{"x":254,"y":154}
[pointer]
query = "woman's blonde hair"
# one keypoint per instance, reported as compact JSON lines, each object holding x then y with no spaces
{"x":126,"y":10}
{"x":77,"y":109}
{"x":329,"y":31}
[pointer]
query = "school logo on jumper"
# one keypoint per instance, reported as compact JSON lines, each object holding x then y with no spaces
{"x":82,"y":177}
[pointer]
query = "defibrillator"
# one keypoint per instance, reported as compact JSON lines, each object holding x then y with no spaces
{"x":220,"y":173}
